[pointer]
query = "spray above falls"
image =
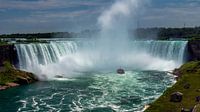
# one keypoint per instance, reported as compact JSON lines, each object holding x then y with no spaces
{"x":115,"y":22}
{"x":118,"y":15}
{"x":109,"y":51}
{"x":71,"y":58}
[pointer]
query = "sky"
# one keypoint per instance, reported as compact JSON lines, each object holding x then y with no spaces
{"x":32,"y":16}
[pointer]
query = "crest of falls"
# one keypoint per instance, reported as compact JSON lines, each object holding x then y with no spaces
{"x":76,"y":57}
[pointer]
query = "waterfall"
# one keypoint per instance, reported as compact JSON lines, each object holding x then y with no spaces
{"x":167,"y":50}
{"x":35,"y":54}
{"x":70,"y":56}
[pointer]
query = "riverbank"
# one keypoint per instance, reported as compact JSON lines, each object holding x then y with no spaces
{"x":11,"y":77}
{"x":188,"y":85}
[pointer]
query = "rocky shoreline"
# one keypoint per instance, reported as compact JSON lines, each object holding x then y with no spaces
{"x":184,"y":96}
{"x":11,"y":77}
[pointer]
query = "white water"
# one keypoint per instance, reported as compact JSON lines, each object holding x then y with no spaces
{"x":75,"y":57}
{"x":109,"y":51}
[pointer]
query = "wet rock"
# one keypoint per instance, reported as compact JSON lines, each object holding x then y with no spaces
{"x":186,"y":110}
{"x":145,"y":108}
{"x":176,"y":78}
{"x":176,"y":72}
{"x":12,"y":84}
{"x":196,"y":108}
{"x":176,"y":97}
{"x":3,"y":87}
{"x":198,"y":99}
{"x":8,"y":85}
{"x":21,"y":80}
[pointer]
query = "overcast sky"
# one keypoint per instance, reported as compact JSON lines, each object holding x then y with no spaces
{"x":23,"y":16}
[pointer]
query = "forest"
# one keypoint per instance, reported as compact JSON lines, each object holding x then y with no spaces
{"x":139,"y":34}
{"x":167,"y":33}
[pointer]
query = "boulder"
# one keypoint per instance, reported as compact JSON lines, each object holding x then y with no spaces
{"x":186,"y":86}
{"x":12,"y":84}
{"x":145,"y":108}
{"x":196,"y":108}
{"x":176,"y":97}
{"x":186,"y":110}
{"x":22,"y":80}
{"x":198,"y":99}
{"x":176,"y":72}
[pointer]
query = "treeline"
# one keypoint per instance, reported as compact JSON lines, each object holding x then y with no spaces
{"x":38,"y":35}
{"x":84,"y":33}
{"x":141,"y":34}
{"x":167,"y":33}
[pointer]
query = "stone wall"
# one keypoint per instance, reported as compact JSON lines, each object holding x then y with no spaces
{"x":8,"y":53}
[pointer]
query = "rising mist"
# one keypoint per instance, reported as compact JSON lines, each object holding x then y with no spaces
{"x":110,"y":50}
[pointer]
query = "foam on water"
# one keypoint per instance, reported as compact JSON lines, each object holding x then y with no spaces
{"x":108,"y":51}
{"x":129,"y":92}
{"x":97,"y":87}
{"x":72,"y":58}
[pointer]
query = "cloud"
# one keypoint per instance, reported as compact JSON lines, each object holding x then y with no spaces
{"x":65,"y":15}
{"x":46,"y":4}
{"x":57,"y":14}
{"x":172,"y":14}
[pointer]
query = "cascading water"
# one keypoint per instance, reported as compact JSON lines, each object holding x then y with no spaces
{"x":97,"y":87}
{"x":31,"y":55}
{"x":167,"y":50}
{"x":71,"y":57}
{"x":95,"y":90}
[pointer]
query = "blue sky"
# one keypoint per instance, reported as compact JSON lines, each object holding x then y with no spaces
{"x":24,"y":16}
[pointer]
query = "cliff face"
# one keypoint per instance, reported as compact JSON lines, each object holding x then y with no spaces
{"x":194,"y":50}
{"x":8,"y":53}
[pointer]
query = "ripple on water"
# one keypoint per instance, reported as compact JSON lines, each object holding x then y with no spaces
{"x":97,"y":93}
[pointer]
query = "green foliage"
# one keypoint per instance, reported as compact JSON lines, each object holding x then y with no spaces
{"x":33,"y":36}
{"x":190,"y":67}
{"x":8,"y":74}
{"x":3,"y":42}
{"x":7,"y":65}
{"x":6,"y":77}
{"x":140,"y":33}
{"x":191,"y":76}
{"x":168,"y":33}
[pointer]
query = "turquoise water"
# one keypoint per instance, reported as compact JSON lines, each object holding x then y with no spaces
{"x":90,"y":92}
